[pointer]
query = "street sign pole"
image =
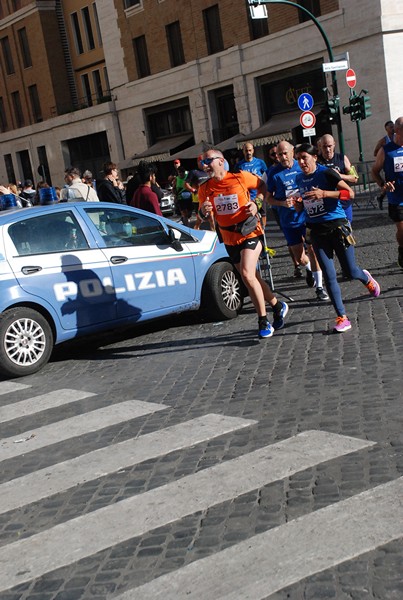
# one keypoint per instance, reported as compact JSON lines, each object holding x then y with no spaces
{"x":329,"y":50}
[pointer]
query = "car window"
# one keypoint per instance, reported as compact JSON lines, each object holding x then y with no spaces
{"x":127,"y":228}
{"x":57,"y":232}
{"x":185,"y":237}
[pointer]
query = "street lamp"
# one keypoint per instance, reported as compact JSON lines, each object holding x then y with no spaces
{"x":253,"y":3}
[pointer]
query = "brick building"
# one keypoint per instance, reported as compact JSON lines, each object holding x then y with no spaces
{"x":84,"y":81}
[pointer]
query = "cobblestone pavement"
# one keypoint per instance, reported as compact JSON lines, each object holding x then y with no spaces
{"x":304,"y":379}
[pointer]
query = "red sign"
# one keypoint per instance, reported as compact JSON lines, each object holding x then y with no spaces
{"x":351,"y":78}
{"x":307,"y":119}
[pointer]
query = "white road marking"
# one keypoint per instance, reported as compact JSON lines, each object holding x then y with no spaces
{"x":75,"y":426}
{"x":101,"y":462}
{"x":271,"y":561}
{"x":38,"y":403}
{"x":88,"y":534}
{"x":8,"y":387}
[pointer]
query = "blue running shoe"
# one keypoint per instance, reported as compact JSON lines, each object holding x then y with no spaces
{"x":265,"y":329}
{"x":278,"y":321}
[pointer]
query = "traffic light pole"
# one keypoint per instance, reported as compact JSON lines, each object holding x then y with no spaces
{"x":329,"y":50}
{"x":361,"y":154}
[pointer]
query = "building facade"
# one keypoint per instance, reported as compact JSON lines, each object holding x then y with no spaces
{"x":126,"y":79}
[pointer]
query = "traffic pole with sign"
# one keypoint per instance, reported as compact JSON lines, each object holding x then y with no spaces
{"x":329,"y":48}
{"x":307,"y":118}
{"x":351,"y":80}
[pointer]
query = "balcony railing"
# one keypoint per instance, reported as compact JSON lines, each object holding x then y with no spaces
{"x":83,"y":102}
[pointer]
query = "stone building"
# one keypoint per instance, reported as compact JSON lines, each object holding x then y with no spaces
{"x":84,"y":81}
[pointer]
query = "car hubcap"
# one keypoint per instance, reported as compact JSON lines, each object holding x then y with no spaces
{"x":25,"y":342}
{"x":231,"y":290}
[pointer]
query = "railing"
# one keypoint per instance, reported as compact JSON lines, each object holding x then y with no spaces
{"x":366,"y":188}
{"x":83,"y":102}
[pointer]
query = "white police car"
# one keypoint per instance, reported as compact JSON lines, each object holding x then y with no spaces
{"x":67,"y":270}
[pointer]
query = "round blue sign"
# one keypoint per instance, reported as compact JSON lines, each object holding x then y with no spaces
{"x":305,"y":102}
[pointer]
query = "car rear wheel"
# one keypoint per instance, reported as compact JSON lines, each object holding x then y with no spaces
{"x":26,"y":342}
{"x":222,"y":296}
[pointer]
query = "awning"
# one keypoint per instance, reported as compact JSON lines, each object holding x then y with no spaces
{"x":193,"y":151}
{"x":126,"y":164}
{"x":230,"y":143}
{"x":275,"y":130}
{"x":162,"y":150}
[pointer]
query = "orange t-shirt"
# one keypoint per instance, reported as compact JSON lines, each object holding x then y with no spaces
{"x":229,"y":198}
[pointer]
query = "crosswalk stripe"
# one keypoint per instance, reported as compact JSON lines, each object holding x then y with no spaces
{"x":101,"y":462}
{"x":8,"y":387}
{"x":88,"y":534}
{"x":28,"y":441}
{"x":36,"y":404}
{"x":275,"y":559}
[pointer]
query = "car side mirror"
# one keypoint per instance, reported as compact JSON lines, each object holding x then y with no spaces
{"x":174,"y":239}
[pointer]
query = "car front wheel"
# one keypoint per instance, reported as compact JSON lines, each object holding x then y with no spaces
{"x":222,"y":296}
{"x":26,"y":342}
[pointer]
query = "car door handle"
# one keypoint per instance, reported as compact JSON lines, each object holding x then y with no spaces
{"x":29,"y":270}
{"x":117,"y":260}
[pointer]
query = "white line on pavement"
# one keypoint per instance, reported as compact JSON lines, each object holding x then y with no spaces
{"x":37,"y":404}
{"x":62,"y":476}
{"x":268,"y":562}
{"x":8,"y":387}
{"x":95,"y":420}
{"x":85,"y":535}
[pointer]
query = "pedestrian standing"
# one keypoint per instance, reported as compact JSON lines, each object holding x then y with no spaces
{"x":144,"y":197}
{"x":110,"y":188}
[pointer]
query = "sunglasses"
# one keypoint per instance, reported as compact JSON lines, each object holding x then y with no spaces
{"x":206,"y":162}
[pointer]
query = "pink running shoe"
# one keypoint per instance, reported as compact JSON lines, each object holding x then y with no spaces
{"x":372,"y":286}
{"x":341,"y":324}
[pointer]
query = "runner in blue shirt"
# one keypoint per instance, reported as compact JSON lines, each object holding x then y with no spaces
{"x":254,"y":165}
{"x":390,"y":159}
{"x":321,"y":190}
{"x":282,"y":188}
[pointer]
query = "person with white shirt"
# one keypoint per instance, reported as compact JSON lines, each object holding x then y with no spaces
{"x":75,"y":189}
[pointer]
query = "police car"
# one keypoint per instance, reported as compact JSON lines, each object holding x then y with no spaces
{"x":67,"y":270}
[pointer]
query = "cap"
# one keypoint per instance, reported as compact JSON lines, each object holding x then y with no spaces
{"x":27,"y":183}
{"x":177,"y":162}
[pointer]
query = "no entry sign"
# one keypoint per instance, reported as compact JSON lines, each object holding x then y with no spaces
{"x":351,"y":78}
{"x":307,"y":119}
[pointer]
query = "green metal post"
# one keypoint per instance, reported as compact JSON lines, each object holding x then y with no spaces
{"x":329,"y":50}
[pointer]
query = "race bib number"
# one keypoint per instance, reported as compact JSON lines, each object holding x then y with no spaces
{"x":226,"y":205}
{"x":398,"y":164}
{"x":314,"y":208}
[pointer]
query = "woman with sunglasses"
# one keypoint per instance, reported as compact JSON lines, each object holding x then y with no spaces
{"x":322,"y":191}
{"x":226,"y":195}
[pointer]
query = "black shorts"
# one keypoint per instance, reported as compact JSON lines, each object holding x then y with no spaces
{"x":185,"y":204}
{"x":395,"y":212}
{"x":234,"y":252}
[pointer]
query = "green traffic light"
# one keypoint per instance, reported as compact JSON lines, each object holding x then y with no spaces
{"x":365,"y":107}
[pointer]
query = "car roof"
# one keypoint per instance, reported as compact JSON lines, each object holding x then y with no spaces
{"x":8,"y":216}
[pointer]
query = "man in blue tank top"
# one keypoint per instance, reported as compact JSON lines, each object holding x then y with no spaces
{"x":254,"y":165}
{"x":390,"y":160}
{"x":341,"y":163}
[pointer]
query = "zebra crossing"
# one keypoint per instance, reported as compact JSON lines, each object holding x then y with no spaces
{"x":256,"y":568}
